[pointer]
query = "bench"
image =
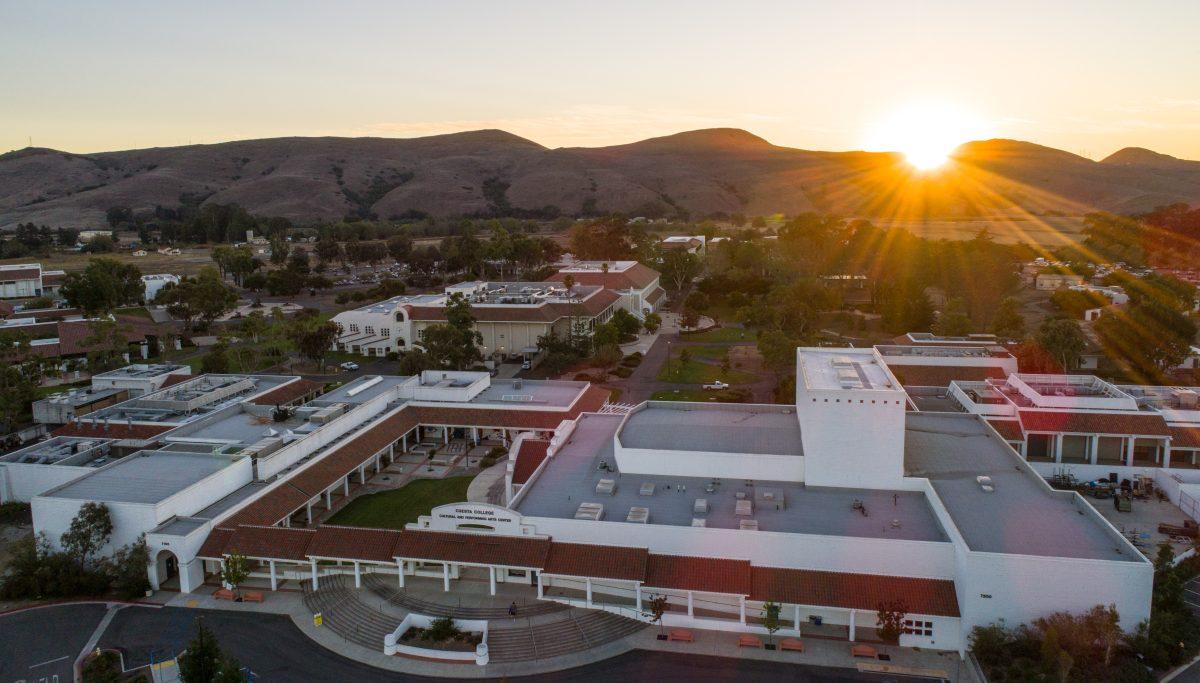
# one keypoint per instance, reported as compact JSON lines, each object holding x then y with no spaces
{"x":222,"y":594}
{"x":682,"y":635}
{"x":749,"y":641}
{"x":252,"y":596}
{"x":863,"y":651}
{"x":794,"y":644}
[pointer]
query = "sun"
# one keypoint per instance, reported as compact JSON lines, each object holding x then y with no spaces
{"x":926,"y":133}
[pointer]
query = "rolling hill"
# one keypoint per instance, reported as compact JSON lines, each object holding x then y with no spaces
{"x":494,"y":172}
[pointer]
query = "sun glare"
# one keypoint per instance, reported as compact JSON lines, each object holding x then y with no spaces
{"x":926,"y":133}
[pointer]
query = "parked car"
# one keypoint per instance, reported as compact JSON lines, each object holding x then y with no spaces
{"x":526,"y":364}
{"x":349,"y":365}
{"x":716,"y":386}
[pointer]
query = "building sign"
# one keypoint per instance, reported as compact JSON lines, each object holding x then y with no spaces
{"x":468,"y":516}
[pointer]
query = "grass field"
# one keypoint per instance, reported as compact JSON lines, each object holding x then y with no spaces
{"x":695,"y":372}
{"x":393,"y":509}
{"x":188,"y":263}
{"x":721,"y":335}
{"x":1047,"y":231}
{"x":692,"y":395}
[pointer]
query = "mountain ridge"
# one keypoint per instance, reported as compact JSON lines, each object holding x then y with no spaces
{"x":494,"y":172}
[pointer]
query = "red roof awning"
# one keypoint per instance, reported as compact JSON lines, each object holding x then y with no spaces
{"x":705,"y":574}
{"x":934,"y":597}
{"x":597,"y":561}
{"x":1131,"y":424}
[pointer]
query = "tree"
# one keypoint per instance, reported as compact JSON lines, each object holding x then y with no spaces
{"x":236,"y":262}
{"x":679,"y":268}
{"x":400,"y":246}
{"x":204,"y":298}
{"x":235,"y":569}
{"x":778,"y":350}
{"x":89,"y":531}
{"x":1063,"y":340}
{"x":606,"y":334}
{"x":204,"y":662}
{"x":954,"y":321}
{"x":128,"y":569}
{"x":607,"y":356}
{"x":626,"y":324}
{"x":20,"y":372}
{"x":455,"y":343}
{"x":105,"y":284}
{"x":107,"y":342}
{"x":104,"y":667}
{"x":657,"y":609}
{"x":313,"y":337}
{"x":889,"y":621}
{"x":1149,"y":337}
{"x":652,"y":322}
{"x":216,"y":361}
{"x":1008,"y":323}
{"x":116,"y":215}
{"x":771,"y":620}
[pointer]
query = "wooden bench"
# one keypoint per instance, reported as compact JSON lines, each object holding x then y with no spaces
{"x":749,"y":641}
{"x":252,"y":596}
{"x":682,"y":635}
{"x":791,"y":644}
{"x":223,"y":594}
{"x":864,"y":651}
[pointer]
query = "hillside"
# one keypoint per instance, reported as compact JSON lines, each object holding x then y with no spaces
{"x":494,"y":172}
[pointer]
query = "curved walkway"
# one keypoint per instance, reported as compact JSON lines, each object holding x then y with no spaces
{"x":540,"y":630}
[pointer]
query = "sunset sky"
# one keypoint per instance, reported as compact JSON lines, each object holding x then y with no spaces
{"x":1088,"y":77}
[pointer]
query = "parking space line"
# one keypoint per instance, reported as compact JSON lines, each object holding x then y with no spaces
{"x":49,"y":661}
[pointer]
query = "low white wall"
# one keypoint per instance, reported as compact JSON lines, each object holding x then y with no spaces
{"x":292,"y":453}
{"x":710,"y":464}
{"x":393,"y":646}
{"x":20,"y":482}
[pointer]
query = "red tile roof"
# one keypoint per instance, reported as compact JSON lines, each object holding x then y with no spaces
{"x":214,"y":546}
{"x":116,"y":430}
{"x":350,"y":543}
{"x":52,"y":278}
{"x":853,"y":591}
{"x":590,"y":401}
{"x":531,"y":454}
{"x":1185,"y":437}
{"x":1143,"y":424}
{"x":704,"y":574}
{"x":272,"y":507}
{"x":287,"y":393}
{"x":654,"y":296}
{"x":597,"y":561}
{"x":1010,"y":430}
{"x":270,"y":542}
{"x":637,"y":276}
{"x":943,"y":375}
{"x":512,"y":551}
{"x":7,"y":275}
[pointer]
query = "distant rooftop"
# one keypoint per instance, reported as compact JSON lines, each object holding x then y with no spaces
{"x":1023,"y":516}
{"x":188,"y":400}
{"x":899,"y":351}
{"x":598,"y":266}
{"x":141,"y":371}
{"x":546,"y":393}
{"x":571,"y":475}
{"x":61,"y":450}
{"x":145,"y":477}
{"x":823,"y":369}
{"x":930,"y":338}
{"x":719,"y":428}
{"x":82,"y":396}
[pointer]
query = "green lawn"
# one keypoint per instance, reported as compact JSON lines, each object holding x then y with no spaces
{"x":713,"y":353}
{"x":43,"y":392}
{"x":393,"y":509}
{"x":721,"y":335}
{"x":695,"y":372}
{"x":139,"y":311}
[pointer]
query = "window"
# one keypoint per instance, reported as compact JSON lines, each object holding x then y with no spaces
{"x":353,"y":328}
{"x":370,"y":329}
{"x":918,"y":628}
{"x":385,"y":332}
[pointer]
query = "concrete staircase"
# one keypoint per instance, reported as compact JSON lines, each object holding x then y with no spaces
{"x":346,"y":615}
{"x":579,"y":630}
{"x":386,"y":588}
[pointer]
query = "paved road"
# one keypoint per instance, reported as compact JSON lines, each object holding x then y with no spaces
{"x":275,"y":650}
{"x":41,"y":644}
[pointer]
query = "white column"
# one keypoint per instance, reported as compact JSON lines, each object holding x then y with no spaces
{"x":1130,"y":443}
{"x":742,"y":609}
{"x":1093,"y":448}
{"x":637,"y":589}
{"x":1166,"y":460}
{"x":404,"y":439}
{"x":587,"y":582}
{"x":540,"y":589}
{"x":690,"y":606}
{"x":274,"y":581}
{"x":796,"y":619}
{"x":1058,"y":441}
{"x":357,"y":575}
{"x":491,"y":580}
{"x":378,"y":460}
{"x":475,"y":435}
{"x":308,"y":512}
{"x":346,"y":486}
{"x":446,"y":577}
{"x":400,"y":565}
{"x":852,"y":626}
{"x":314,"y":574}
{"x":329,"y":498}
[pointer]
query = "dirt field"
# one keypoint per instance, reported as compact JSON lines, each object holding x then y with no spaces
{"x":188,"y":263}
{"x":1049,"y":232}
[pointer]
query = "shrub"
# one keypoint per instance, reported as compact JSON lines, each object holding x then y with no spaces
{"x":14,"y":512}
{"x":582,"y":377}
{"x":622,"y":372}
{"x":441,"y":629}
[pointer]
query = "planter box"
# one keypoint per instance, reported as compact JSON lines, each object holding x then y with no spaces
{"x":393,"y":646}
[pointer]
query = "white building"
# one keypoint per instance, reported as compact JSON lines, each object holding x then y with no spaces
{"x":638,"y":286}
{"x":141,"y":378}
{"x":510,"y":317}
{"x":154,"y":283}
{"x":692,"y":244}
{"x":35,"y":469}
{"x":27,"y":280}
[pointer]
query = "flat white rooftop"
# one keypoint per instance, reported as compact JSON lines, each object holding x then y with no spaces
{"x":724,"y":428}
{"x":834,"y":369}
{"x":141,"y":371}
{"x":570,"y":478}
{"x":145,"y":477}
{"x":1022,"y":516}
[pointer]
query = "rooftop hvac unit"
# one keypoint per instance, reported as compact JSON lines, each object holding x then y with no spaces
{"x":1187,"y":398}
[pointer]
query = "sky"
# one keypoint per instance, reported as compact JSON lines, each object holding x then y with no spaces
{"x":1089,"y":77}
